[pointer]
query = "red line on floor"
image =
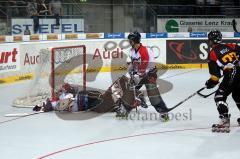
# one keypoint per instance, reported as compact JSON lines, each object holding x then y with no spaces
{"x":120,"y":138}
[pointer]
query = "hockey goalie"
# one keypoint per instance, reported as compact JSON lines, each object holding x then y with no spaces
{"x":119,"y":97}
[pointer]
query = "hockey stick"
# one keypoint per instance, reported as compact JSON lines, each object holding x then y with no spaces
{"x":205,"y":96}
{"x":22,"y":114}
{"x":135,"y":104}
{"x":186,"y":99}
{"x":234,"y":24}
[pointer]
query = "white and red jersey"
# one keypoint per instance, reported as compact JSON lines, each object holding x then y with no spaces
{"x":145,"y":58}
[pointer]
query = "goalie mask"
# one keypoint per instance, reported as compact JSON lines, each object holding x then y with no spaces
{"x":66,"y":87}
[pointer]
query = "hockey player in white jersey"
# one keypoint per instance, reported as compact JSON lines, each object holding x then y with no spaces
{"x":141,"y":66}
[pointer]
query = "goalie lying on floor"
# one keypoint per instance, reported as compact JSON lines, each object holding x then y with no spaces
{"x":119,"y":97}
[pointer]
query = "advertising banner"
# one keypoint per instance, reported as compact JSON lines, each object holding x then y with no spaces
{"x":2,"y":39}
{"x":17,"y":38}
{"x":198,"y":35}
{"x":19,"y":61}
{"x":94,"y":35}
{"x":71,"y":36}
{"x":48,"y":26}
{"x":195,"y":24}
{"x":9,"y":58}
{"x":156,"y":35}
{"x":113,"y":35}
{"x":189,"y":51}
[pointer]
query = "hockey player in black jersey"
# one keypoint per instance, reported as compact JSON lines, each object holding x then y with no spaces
{"x":223,"y":58}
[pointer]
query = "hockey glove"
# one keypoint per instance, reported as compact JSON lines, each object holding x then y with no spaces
{"x":210,"y":84}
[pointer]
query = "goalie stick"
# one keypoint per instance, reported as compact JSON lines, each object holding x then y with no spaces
{"x":22,"y":114}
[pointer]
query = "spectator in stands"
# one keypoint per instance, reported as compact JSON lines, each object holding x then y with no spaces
{"x":55,"y":9}
{"x":42,"y":8}
{"x":33,"y":13}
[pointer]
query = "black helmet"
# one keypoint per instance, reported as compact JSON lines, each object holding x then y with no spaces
{"x":215,"y":36}
{"x":135,"y":36}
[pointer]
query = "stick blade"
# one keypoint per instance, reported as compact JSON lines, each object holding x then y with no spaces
{"x":21,"y":114}
{"x":16,"y":114}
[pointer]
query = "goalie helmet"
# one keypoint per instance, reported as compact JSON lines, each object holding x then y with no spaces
{"x":66,"y":87}
{"x":135,"y":37}
{"x":215,"y":36}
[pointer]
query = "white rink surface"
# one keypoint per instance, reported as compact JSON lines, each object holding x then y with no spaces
{"x":101,"y":137}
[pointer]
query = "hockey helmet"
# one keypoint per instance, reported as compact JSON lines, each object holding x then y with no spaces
{"x":66,"y":86}
{"x":215,"y":36}
{"x":135,"y":37}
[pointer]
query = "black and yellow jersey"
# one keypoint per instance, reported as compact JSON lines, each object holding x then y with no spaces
{"x":220,"y":56}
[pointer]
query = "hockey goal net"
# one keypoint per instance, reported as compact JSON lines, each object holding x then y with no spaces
{"x":57,"y":66}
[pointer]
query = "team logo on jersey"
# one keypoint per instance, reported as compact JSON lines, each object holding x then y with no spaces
{"x":223,"y":51}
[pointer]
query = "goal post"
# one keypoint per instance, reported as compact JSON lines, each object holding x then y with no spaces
{"x":59,"y":51}
{"x":58,"y":65}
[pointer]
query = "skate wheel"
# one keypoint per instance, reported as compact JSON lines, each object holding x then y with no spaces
{"x":214,"y":128}
{"x":214,"y":125}
{"x":222,"y":130}
{"x":225,"y":130}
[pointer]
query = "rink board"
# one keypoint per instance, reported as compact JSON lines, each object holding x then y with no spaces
{"x":105,"y":55}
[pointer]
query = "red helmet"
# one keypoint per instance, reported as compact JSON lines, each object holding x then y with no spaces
{"x":66,"y":86}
